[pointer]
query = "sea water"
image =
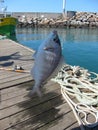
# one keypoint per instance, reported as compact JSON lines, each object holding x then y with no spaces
{"x":79,"y":46}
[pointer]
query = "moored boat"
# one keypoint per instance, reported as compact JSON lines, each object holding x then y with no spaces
{"x":7,"y":22}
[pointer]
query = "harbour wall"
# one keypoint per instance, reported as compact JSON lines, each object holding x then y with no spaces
{"x":36,"y":14}
{"x":70,"y":19}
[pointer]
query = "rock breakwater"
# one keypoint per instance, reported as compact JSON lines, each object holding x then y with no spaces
{"x":79,"y":20}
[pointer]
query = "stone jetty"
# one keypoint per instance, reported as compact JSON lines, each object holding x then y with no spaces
{"x":84,"y":19}
{"x":78,"y":20}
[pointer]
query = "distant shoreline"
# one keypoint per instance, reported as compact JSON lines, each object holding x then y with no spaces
{"x":71,"y":19}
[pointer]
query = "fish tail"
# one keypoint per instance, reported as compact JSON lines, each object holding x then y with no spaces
{"x":36,"y":89}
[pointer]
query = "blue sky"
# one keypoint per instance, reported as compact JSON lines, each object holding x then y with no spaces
{"x":51,"y":5}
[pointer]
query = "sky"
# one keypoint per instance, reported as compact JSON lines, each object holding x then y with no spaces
{"x":51,"y":5}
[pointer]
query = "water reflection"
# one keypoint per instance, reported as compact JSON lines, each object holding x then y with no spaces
{"x":74,"y":35}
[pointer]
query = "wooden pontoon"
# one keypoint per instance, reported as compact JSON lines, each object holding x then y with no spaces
{"x":19,"y":111}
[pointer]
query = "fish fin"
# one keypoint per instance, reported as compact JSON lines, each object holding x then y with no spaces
{"x":37,"y":91}
{"x":34,"y":55}
{"x":48,"y":48}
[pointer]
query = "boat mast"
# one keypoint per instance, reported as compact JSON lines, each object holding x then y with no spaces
{"x":1,"y":5}
{"x":64,"y":12}
{"x":63,"y":6}
{"x":3,"y":8}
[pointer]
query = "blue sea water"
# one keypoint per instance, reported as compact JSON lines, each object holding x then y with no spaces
{"x":79,"y":46}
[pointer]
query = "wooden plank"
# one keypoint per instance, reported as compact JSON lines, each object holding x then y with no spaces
{"x":39,"y":115}
{"x":35,"y":102}
{"x":52,"y":104}
{"x":21,"y":91}
{"x":74,"y":126}
{"x":16,"y":81}
{"x":16,"y":90}
{"x":62,"y":122}
{"x":9,"y":43}
{"x":16,"y":76}
{"x":13,"y":106}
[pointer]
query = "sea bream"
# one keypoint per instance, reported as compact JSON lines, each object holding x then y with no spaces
{"x":46,"y":61}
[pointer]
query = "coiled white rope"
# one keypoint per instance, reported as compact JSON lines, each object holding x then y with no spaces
{"x":83,"y":85}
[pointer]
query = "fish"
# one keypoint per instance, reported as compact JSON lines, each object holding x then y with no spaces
{"x":46,"y":60}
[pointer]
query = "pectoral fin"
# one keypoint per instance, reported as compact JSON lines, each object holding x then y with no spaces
{"x":49,"y":48}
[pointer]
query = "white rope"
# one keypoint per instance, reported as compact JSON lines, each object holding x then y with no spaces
{"x":83,"y":85}
{"x":69,"y":101}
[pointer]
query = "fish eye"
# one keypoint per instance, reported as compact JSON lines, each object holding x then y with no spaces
{"x":56,"y":39}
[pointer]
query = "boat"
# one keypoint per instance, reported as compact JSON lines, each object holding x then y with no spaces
{"x":7,"y":22}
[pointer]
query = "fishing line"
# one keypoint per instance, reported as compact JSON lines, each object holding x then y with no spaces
{"x":17,"y":68}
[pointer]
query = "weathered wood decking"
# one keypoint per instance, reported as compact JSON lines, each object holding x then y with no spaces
{"x":18,"y":111}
